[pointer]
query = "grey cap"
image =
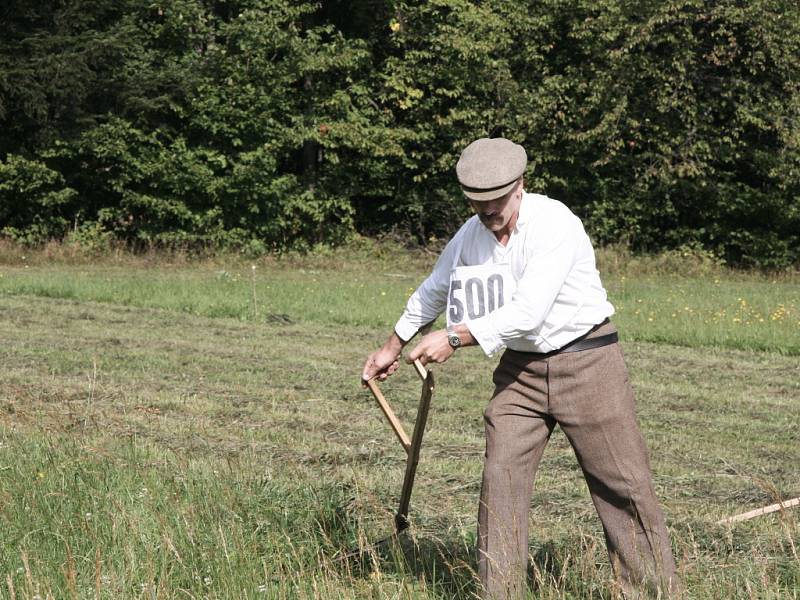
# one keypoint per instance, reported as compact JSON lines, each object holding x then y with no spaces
{"x":489,"y":167}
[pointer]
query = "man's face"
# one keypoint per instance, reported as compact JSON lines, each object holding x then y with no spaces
{"x":496,"y":214}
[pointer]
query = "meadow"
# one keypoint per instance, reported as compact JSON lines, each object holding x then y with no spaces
{"x":175,"y":427}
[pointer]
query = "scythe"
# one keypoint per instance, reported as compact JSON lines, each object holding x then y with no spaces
{"x":411,"y":446}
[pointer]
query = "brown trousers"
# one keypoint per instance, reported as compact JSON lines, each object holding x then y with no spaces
{"x":588,"y":394}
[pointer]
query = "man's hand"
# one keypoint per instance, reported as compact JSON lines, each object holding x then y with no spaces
{"x":380,"y":364}
{"x":434,"y":347}
{"x":383,"y":362}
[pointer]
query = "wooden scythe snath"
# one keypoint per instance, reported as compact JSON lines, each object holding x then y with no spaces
{"x":761,"y":511}
{"x":410,"y":445}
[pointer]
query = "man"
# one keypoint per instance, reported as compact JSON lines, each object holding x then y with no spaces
{"x":520,"y":275}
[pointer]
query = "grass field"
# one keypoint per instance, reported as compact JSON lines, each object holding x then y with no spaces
{"x":180,"y":429}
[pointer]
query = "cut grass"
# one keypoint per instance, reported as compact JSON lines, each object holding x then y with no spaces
{"x":153,"y":448}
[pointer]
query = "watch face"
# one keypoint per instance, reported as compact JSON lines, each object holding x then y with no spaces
{"x":454,"y":340}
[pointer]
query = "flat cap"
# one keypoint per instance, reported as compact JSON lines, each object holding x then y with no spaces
{"x":489,"y":167}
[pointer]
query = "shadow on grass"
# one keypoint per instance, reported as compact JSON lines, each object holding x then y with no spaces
{"x":446,"y":566}
{"x":449,"y":568}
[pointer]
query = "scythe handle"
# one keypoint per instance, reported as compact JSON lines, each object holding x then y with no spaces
{"x":401,"y":520}
{"x":421,"y":370}
{"x":387,"y":410}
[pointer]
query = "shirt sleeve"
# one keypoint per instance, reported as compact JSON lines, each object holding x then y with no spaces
{"x":551,"y":254}
{"x":430,"y":298}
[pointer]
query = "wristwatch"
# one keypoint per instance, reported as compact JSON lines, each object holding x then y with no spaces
{"x":453,"y":339}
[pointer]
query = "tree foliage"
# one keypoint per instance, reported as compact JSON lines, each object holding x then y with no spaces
{"x":271,"y":124}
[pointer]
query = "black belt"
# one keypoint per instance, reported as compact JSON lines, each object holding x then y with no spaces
{"x":589,"y":343}
{"x":582,"y":343}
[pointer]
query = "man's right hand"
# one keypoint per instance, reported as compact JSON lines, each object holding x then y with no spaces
{"x":383,"y":362}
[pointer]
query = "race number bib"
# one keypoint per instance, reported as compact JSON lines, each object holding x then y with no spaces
{"x":477,"y":291}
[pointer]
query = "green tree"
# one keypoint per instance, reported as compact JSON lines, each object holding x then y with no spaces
{"x":679,"y":125}
{"x":32,"y":200}
{"x":285,"y":99}
{"x":271,"y":123}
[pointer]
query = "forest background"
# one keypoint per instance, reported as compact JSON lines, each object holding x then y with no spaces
{"x":266,"y":125}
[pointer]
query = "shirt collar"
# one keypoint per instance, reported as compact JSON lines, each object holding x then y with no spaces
{"x":525,"y":209}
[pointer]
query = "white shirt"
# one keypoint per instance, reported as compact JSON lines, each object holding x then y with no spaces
{"x":558,"y":296}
